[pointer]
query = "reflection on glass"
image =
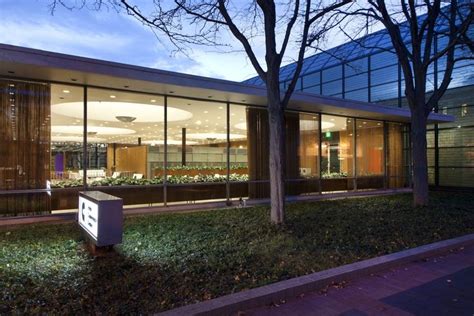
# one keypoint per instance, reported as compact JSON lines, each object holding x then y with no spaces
{"x":119,"y":126}
{"x":197,"y":149}
{"x":66,"y":137}
{"x":238,"y":156}
{"x":309,"y":145}
{"x":337,"y":147}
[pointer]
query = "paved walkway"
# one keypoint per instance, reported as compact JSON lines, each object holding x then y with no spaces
{"x":441,"y":285}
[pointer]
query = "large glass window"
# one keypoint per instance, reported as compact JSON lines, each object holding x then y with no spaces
{"x":307,"y":140}
{"x":67,"y":155}
{"x":121,"y":129}
{"x":197,"y":149}
{"x":337,"y":158}
{"x":238,"y":152}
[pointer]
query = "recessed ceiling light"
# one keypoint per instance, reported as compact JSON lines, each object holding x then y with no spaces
{"x":112,"y":96}
{"x":198,"y":122}
{"x":220,"y":108}
{"x":205,"y":112}
{"x":66,"y":91}
{"x":364,"y":122}
{"x":152,"y":100}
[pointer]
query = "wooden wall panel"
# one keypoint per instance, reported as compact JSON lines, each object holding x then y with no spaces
{"x":370,"y":150}
{"x":258,"y":149}
{"x":395,"y":163}
{"x":131,"y":159}
{"x":346,"y":147}
{"x":25,"y":143}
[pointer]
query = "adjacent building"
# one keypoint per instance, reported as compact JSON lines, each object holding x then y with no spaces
{"x":366,"y":71}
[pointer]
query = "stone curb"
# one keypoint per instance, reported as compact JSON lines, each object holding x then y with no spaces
{"x":283,"y":290}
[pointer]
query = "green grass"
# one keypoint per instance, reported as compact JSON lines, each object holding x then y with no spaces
{"x":170,"y":260}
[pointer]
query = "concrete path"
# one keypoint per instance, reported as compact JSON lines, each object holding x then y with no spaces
{"x":441,"y":285}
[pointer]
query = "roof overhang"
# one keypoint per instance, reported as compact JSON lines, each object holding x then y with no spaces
{"x":32,"y":64}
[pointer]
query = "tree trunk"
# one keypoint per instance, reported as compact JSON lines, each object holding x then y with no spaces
{"x":276,"y":120}
{"x":419,"y":156}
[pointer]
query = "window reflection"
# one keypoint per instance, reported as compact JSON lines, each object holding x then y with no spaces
{"x":337,"y":146}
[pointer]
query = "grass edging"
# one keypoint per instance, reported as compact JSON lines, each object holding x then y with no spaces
{"x":283,"y":290}
{"x":11,"y":221}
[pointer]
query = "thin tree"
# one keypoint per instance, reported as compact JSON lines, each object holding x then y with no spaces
{"x":423,"y":22}
{"x":207,"y":22}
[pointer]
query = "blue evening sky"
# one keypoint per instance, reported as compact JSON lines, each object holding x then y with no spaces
{"x":110,"y":36}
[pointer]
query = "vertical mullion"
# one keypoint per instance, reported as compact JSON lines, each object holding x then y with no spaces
{"x":165,"y":160}
{"x":354,"y":151}
{"x":320,"y":151}
{"x":228,"y":155}
{"x":369,"y":80}
{"x":399,"y":68}
{"x":84,"y":140}
{"x":436,"y":126}
{"x":343,"y":65}
{"x":385,"y":154}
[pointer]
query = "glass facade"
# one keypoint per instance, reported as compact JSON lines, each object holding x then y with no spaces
{"x":374,"y":75}
{"x":154,"y":150}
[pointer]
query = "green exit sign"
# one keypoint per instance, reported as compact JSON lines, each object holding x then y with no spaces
{"x":328,"y":134}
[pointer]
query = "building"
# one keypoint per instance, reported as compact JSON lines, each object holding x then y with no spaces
{"x":352,"y":72}
{"x":155,"y":137}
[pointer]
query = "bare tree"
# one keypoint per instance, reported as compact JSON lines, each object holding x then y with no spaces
{"x":423,"y":22}
{"x":192,"y":22}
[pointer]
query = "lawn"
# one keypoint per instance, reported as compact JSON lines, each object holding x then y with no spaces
{"x":169,"y":260}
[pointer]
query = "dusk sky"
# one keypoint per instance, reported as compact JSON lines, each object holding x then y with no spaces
{"x":110,"y":36}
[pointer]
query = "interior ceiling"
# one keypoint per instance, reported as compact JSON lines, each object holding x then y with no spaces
{"x":204,"y":121}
